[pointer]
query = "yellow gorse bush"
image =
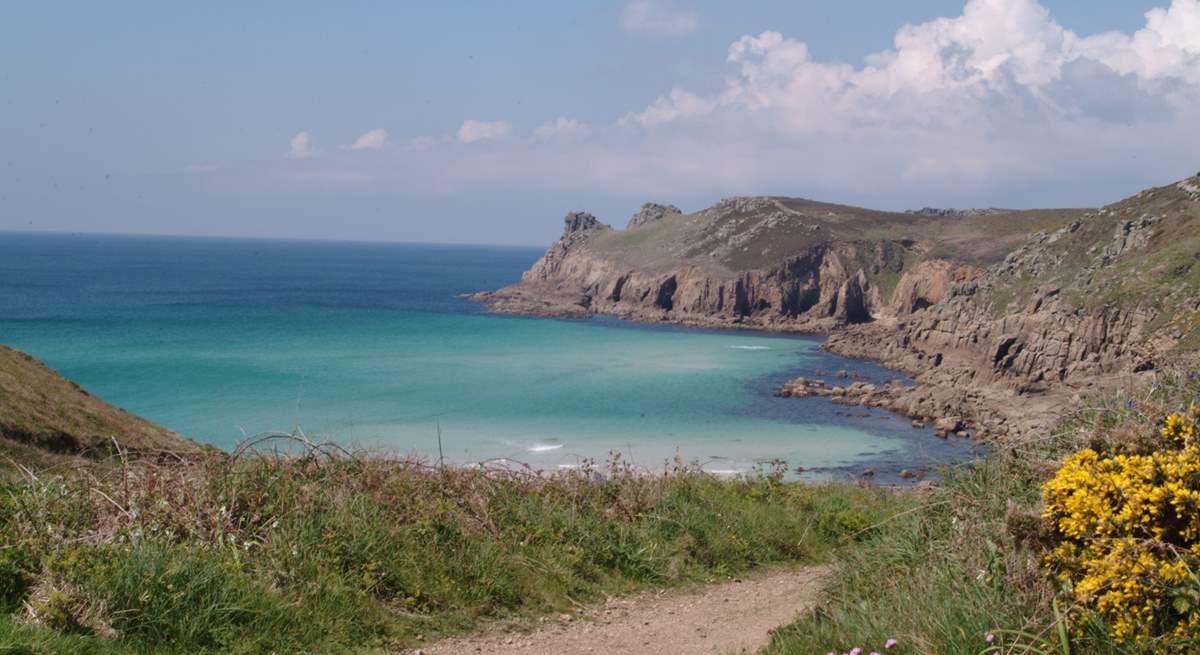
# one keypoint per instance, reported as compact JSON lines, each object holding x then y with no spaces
{"x":1129,"y":535}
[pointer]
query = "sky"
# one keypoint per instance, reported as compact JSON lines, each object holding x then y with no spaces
{"x":485,"y":122}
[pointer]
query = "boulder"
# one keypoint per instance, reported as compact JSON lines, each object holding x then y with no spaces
{"x":949,"y":423}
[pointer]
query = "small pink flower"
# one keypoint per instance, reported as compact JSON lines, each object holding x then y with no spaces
{"x":890,"y":643}
{"x":856,"y":651}
{"x":990,"y":637}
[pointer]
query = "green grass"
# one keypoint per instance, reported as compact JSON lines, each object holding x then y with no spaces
{"x":314,"y":553}
{"x":966,"y":561}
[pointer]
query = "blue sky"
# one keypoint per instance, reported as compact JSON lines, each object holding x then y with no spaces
{"x":486,"y":122}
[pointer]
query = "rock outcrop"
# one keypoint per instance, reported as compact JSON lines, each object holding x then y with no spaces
{"x":652,"y":212}
{"x":1069,"y":312}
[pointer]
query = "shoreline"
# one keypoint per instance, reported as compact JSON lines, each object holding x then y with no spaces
{"x":987,"y":411}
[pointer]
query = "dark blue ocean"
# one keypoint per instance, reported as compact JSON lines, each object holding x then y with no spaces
{"x":370,"y":345}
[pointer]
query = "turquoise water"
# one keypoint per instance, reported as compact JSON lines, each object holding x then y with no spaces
{"x":369,"y":345}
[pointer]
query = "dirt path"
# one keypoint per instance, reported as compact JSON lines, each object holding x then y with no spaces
{"x":730,"y":617}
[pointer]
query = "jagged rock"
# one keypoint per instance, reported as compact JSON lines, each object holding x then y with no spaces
{"x":581,"y":222}
{"x":652,"y":212}
{"x":930,"y":283}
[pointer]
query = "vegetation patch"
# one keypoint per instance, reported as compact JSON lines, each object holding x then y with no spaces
{"x":1106,"y":564}
{"x":327,"y":552}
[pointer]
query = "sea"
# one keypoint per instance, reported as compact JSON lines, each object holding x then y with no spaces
{"x":371,"y":346}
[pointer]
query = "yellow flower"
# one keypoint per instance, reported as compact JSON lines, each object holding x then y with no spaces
{"x":1129,"y":534}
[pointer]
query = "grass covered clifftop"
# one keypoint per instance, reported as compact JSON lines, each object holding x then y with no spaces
{"x":42,"y":414}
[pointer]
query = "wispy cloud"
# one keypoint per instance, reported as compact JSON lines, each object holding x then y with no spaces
{"x":561,"y":128}
{"x":376,"y":139}
{"x":300,"y":147}
{"x":658,"y":17}
{"x":473,"y":130}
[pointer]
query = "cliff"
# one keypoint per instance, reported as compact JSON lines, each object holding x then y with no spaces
{"x":771,"y":263}
{"x":981,"y":306}
{"x":1070,"y":311}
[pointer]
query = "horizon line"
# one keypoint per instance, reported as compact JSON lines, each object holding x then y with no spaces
{"x":160,"y":235}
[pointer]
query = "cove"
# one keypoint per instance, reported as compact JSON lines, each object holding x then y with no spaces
{"x":369,"y":345}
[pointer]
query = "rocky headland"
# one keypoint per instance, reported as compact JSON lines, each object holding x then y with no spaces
{"x":1004,"y":318}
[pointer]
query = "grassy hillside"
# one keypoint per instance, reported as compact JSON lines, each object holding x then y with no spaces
{"x":43,"y":414}
{"x":1143,"y":251}
{"x":754,"y":233}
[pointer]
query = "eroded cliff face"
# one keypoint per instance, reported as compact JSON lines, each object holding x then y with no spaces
{"x":825,"y":285}
{"x":1068,"y":313}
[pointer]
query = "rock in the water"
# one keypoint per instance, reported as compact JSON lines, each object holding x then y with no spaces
{"x":949,"y":424}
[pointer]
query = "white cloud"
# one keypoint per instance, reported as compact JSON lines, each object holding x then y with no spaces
{"x":472,"y":130}
{"x":300,"y":147}
{"x":561,"y":128}
{"x":1001,"y":91}
{"x":1169,"y":45}
{"x":658,"y":17}
{"x":675,"y":105}
{"x":376,"y":139}
{"x":998,"y":105}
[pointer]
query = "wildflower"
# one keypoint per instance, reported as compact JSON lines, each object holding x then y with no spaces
{"x":990,"y":637}
{"x":1130,"y":404}
{"x":1191,"y":375}
{"x":1116,"y":515}
{"x":890,"y":643}
{"x":856,"y":651}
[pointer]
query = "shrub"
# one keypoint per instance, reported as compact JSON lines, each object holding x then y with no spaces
{"x":1128,"y":528}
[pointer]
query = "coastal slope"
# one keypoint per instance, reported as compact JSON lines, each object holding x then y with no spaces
{"x":980,"y":305}
{"x":43,"y":414}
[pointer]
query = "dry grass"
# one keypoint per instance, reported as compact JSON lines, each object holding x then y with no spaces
{"x":41,"y":408}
